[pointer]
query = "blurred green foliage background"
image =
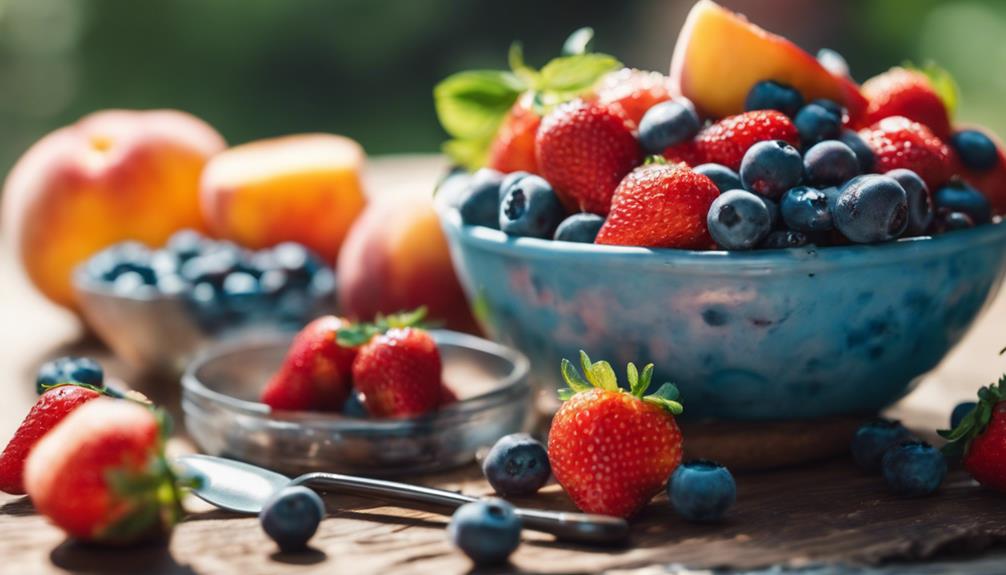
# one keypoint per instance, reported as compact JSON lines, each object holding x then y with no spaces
{"x":366,"y":68}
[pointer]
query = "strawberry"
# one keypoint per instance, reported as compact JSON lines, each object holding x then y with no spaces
{"x":100,"y":475}
{"x":980,"y":438}
{"x":612,"y":450}
{"x":316,"y":372}
{"x":660,"y":206}
{"x":898,"y":142}
{"x":686,"y":152}
{"x":632,"y":92}
{"x":512,"y":149}
{"x":726,"y":141}
{"x":397,"y":373}
{"x":584,"y":150}
{"x":991,"y":182}
{"x":447,"y":395}
{"x":50,"y":408}
{"x":908,"y":93}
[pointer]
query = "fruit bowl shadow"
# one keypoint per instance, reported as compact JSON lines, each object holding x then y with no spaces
{"x":768,"y":335}
{"x":222,"y":414}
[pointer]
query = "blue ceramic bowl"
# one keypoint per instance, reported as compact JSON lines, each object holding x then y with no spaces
{"x":782,"y":334}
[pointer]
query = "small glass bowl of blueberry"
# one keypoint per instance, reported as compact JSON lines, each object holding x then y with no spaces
{"x":156,"y":307}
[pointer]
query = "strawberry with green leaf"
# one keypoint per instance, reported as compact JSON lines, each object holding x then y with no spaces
{"x":927,"y":96}
{"x":980,"y":438}
{"x":492,"y":115}
{"x":610,"y":448}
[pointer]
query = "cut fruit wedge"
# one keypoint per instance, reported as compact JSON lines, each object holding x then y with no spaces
{"x":720,"y":56}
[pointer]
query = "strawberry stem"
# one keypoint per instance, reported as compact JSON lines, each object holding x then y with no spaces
{"x":600,"y":375}
{"x":975,"y":422}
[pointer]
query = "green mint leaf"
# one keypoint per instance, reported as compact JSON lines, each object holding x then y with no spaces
{"x":470,"y":154}
{"x":579,"y":42}
{"x":603,"y":376}
{"x":568,"y":76}
{"x":573,"y":378}
{"x":471,"y":105}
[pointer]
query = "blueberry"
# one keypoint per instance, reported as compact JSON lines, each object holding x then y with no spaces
{"x":770,"y":168}
{"x":667,"y":124}
{"x":784,"y":239}
{"x":771,"y":95}
{"x":920,"y":208}
{"x":833,"y":62}
{"x":452,"y":186}
{"x":511,"y":179}
{"x":517,"y":465}
{"x":487,"y":531}
{"x":530,"y":208}
{"x":354,"y":407}
{"x":210,"y":267}
{"x":774,"y":213}
{"x":816,"y":122}
{"x":479,"y":203}
{"x":832,"y":106}
{"x":873,"y":439}
{"x":273,"y":282}
{"x":952,"y":221}
{"x":299,"y":263}
{"x":976,"y":150}
{"x":291,"y":517}
{"x":580,"y":228}
{"x":186,"y":244}
{"x":724,"y":178}
{"x":128,"y":283}
{"x":322,"y":283}
{"x":958,"y":196}
{"x":69,"y":369}
{"x":806,"y":209}
{"x":871,"y":209}
{"x":914,"y":468}
{"x":863,"y":152}
{"x":960,"y":412}
{"x":702,"y":491}
{"x":240,"y":292}
{"x":738,"y":220}
{"x":830,"y":163}
{"x":172,"y":285}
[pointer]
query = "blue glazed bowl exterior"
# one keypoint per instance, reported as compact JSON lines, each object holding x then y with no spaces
{"x":782,"y":334}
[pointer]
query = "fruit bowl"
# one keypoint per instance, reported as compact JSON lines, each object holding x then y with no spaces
{"x":770,"y":335}
{"x":222,"y":413}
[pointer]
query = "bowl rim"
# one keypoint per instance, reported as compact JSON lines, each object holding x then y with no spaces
{"x":802,"y":259}
{"x":514,"y":386}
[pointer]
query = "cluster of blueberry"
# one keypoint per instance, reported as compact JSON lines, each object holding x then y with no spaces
{"x":910,"y":467}
{"x":781,"y":198}
{"x":224,"y":284}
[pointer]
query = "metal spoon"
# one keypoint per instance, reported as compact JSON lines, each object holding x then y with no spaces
{"x":244,"y":488}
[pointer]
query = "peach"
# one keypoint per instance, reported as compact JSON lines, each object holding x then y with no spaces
{"x":395,"y":258}
{"x":719,"y":56}
{"x":112,"y":176}
{"x":304,"y":188}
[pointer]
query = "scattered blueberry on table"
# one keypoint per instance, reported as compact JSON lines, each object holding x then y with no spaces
{"x":914,"y":468}
{"x":873,"y":439}
{"x":487,"y":531}
{"x":517,"y":465}
{"x":702,"y":491}
{"x":291,"y":517}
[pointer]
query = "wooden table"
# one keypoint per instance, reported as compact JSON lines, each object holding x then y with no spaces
{"x":826,"y":513}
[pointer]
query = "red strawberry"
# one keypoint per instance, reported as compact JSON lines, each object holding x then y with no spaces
{"x":726,"y":141}
{"x":397,"y":374}
{"x":991,"y":182}
{"x":660,"y":206}
{"x":908,"y":93}
{"x":981,"y":438}
{"x":898,"y":142}
{"x":584,"y":150}
{"x":49,"y":409}
{"x":447,"y":395}
{"x":686,"y":152}
{"x":316,"y":372}
{"x":632,"y":92}
{"x":512,"y":149}
{"x":100,"y":475}
{"x":612,"y":450}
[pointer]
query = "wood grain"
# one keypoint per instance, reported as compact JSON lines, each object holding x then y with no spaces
{"x":825,"y":512}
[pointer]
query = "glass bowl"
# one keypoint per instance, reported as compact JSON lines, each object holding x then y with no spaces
{"x":224,"y":417}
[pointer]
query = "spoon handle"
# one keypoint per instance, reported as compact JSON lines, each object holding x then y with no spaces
{"x":579,"y":527}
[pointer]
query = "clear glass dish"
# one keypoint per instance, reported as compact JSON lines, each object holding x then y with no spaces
{"x":222,"y":413}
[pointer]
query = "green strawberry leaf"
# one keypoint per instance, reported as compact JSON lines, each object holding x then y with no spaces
{"x":566,"y":394}
{"x":573,"y":378}
{"x":579,"y":42}
{"x":603,"y":376}
{"x":674,"y":407}
{"x":472,"y":104}
{"x":515,"y":59}
{"x":975,"y":422}
{"x":568,"y":76}
{"x":943,"y":83}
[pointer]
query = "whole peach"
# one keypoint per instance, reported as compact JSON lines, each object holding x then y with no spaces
{"x":304,"y":188}
{"x":395,"y":258}
{"x":112,"y":176}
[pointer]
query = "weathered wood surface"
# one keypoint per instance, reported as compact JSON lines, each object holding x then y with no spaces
{"x":821,"y":513}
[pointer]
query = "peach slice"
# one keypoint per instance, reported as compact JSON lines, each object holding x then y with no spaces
{"x":719,"y":56}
